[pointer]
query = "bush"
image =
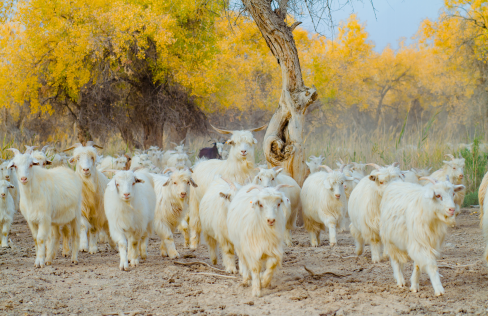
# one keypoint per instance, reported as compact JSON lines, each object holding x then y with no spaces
{"x":471,"y":199}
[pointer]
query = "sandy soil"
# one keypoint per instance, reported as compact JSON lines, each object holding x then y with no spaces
{"x":96,"y":286}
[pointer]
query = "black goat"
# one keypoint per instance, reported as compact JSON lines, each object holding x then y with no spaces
{"x":210,"y":152}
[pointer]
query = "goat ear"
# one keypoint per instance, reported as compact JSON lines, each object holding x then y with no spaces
{"x":225,"y":196}
{"x":327,"y":185}
{"x":458,"y":188}
{"x":193,"y":183}
{"x":372,"y":177}
{"x":140,"y":180}
{"x":230,"y":142}
{"x":35,"y":162}
{"x":112,"y":185}
{"x":48,"y":162}
{"x":308,"y":164}
{"x":10,"y":165}
{"x":72,"y":160}
{"x":167,"y":182}
{"x":255,"y":140}
{"x":278,"y":171}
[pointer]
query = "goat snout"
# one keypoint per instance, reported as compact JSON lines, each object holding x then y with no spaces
{"x":23,"y":179}
{"x":451,"y":211}
{"x":338,"y":196}
{"x":126,"y":195}
{"x":271,"y":222}
{"x":461,"y":176}
{"x":244,"y":152}
{"x":86,"y":170}
{"x":2,"y":195}
{"x":183,"y":195}
{"x":7,"y":178}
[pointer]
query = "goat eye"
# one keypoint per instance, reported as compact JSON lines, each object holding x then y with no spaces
{"x":438,"y":196}
{"x":272,"y":179}
{"x":174,"y":182}
{"x":454,"y":168}
{"x":133,"y":183}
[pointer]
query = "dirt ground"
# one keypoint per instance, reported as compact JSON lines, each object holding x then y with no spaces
{"x":158,"y":286}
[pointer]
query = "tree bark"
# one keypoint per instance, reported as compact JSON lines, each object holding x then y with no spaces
{"x":283,"y":142}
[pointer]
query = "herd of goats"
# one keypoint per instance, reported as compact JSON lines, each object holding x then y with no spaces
{"x":244,"y":209}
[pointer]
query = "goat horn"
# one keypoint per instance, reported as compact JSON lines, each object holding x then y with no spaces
{"x":231,"y":185}
{"x":15,"y":151}
{"x":174,"y":144}
{"x":396,"y":164}
{"x":221,"y":131}
{"x":341,"y":161}
{"x":170,"y":169}
{"x":254,"y":187}
{"x":45,"y":148}
{"x":374,"y":165}
{"x":428,"y":179}
{"x":258,"y":128}
{"x":111,"y":170}
{"x":29,"y":149}
{"x":281,"y":186}
{"x":326,"y":168}
{"x":73,"y":147}
{"x":450,"y":156}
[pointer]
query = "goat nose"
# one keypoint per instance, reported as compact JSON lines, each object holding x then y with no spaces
{"x":3,"y":194}
{"x":23,"y":179}
{"x":271,"y":221}
{"x":461,"y":176}
{"x":337,"y":195}
{"x":183,"y":194}
{"x":243,"y":151}
{"x":86,"y":170}
{"x":126,"y":194}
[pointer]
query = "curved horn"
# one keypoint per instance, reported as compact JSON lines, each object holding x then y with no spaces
{"x":92,"y":143}
{"x":221,"y":131}
{"x":349,"y":178}
{"x":450,"y":156}
{"x":428,"y":179}
{"x":343,"y":166}
{"x":326,"y":168}
{"x":396,"y":164}
{"x":29,"y":149}
{"x":15,"y":151}
{"x":182,"y":141}
{"x":281,"y":186}
{"x":170,"y":169}
{"x":373,"y":165}
{"x":258,"y":128}
{"x":341,"y":161}
{"x":231,"y":185}
{"x":73,"y":147}
{"x":45,"y":148}
{"x":254,"y":187}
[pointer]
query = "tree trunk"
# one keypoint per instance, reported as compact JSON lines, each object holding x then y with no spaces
{"x":283,"y":142}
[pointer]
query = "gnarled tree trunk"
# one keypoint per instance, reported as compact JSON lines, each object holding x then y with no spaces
{"x":283,"y":142}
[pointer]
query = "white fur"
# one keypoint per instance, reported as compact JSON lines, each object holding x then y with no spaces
{"x":10,"y":175}
{"x":213,"y":215}
{"x":94,"y":184}
{"x":314,"y":163}
{"x":324,"y":205}
{"x":239,"y":167}
{"x":172,"y":192}
{"x":49,"y":198}
{"x":256,"y":226}
{"x":7,"y":210}
{"x":129,"y":203}
{"x":274,"y":177}
{"x":364,"y":209}
{"x":413,"y":224}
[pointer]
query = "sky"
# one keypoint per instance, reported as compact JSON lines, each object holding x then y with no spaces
{"x":394,"y":19}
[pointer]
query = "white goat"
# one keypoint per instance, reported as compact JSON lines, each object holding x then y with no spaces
{"x":10,"y":175}
{"x":324,"y":204}
{"x":129,"y":203}
{"x":7,"y":210}
{"x":172,"y":192}
{"x":40,"y":155}
{"x":314,"y":164}
{"x":455,"y":170}
{"x":256,"y":227}
{"x":94,"y":185}
{"x":178,"y":160}
{"x":364,"y":208}
{"x":414,"y":175}
{"x":237,"y":168}
{"x":273,"y":177}
{"x":413,"y":224}
{"x":49,"y":198}
{"x":213,"y":214}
